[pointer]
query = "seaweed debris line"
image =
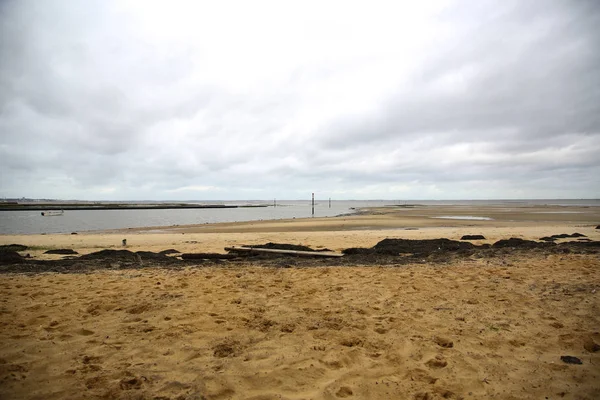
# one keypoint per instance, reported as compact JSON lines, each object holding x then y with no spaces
{"x":386,"y":252}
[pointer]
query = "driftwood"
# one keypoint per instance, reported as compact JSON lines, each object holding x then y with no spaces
{"x":290,"y":252}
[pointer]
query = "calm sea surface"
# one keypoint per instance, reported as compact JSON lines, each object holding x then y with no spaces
{"x":31,"y":222}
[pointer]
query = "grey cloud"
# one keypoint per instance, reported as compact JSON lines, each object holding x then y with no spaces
{"x":538,"y":77}
{"x":507,"y":94}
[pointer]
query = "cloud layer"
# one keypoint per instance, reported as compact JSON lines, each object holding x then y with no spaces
{"x":255,"y":100}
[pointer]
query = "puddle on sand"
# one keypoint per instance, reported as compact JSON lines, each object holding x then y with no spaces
{"x":467,"y":217}
{"x":558,"y":212}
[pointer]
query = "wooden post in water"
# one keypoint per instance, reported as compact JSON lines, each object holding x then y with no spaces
{"x":330,"y":202}
{"x":313,"y":204}
{"x":274,"y":202}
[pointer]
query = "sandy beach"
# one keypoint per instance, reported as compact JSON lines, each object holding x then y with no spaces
{"x":205,"y":200}
{"x":472,"y":326}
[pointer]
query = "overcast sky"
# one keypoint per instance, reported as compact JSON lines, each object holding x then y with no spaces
{"x":124,"y":100}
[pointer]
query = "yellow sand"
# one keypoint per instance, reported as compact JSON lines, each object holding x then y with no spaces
{"x":476,"y":328}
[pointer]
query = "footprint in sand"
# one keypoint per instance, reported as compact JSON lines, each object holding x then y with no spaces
{"x":437,"y":393}
{"x":443,"y":342}
{"x":333,"y":364}
{"x":344,"y":391}
{"x":516,"y":343}
{"x":132,"y":383}
{"x":53,"y":326}
{"x":90,"y":359}
{"x":590,"y":345}
{"x":437,"y":362}
{"x":420,"y":375}
{"x":96,"y":382}
{"x":84,"y":332}
{"x":65,"y":336}
{"x":12,"y":371}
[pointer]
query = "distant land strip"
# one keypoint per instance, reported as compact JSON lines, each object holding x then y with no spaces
{"x":71,"y":206}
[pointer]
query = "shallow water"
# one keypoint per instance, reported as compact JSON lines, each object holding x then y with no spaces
{"x":467,"y":217}
{"x":31,"y":222}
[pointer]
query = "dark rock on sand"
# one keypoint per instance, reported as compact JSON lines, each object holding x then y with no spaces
{"x":61,"y":251}
{"x":472,"y":237}
{"x":13,"y":247}
{"x":548,"y":239}
{"x":570,"y":360}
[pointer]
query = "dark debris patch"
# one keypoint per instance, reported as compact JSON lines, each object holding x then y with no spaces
{"x":280,"y":246}
{"x":473,"y":237}
{"x":100,"y":260}
{"x":169,"y":251}
{"x":126,"y":256}
{"x":208,"y":256}
{"x":108,"y":254}
{"x":420,"y":247}
{"x":11,"y":257}
{"x":570,"y":360}
{"x":13,"y":247}
{"x":444,"y":250}
{"x":61,"y":251}
{"x":563,"y":236}
{"x":520,"y":243}
{"x":394,"y":247}
{"x":388,"y":252}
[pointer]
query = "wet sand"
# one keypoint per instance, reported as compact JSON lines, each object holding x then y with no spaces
{"x":409,"y":217}
{"x":470,"y":328}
